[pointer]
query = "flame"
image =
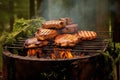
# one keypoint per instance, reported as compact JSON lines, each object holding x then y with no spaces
{"x":57,"y":54}
{"x":61,"y":54}
{"x":34,"y":52}
{"x":53,"y":56}
{"x":31,"y":52}
{"x":65,"y":54}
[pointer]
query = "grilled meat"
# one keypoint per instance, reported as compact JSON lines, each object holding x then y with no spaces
{"x":65,"y":40}
{"x":54,"y":24}
{"x":33,"y":42}
{"x":87,"y":35}
{"x":45,"y":34}
{"x":67,"y":20}
{"x":70,"y":29}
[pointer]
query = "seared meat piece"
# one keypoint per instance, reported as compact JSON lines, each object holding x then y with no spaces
{"x":65,"y":40}
{"x":45,"y":34}
{"x":30,"y":42}
{"x":87,"y":35}
{"x":33,"y":42}
{"x":67,"y":20}
{"x":70,"y":29}
{"x":54,"y":24}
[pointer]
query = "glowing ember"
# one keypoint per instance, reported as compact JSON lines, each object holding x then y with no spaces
{"x":57,"y":54}
{"x":53,"y":56}
{"x":35,"y":52}
{"x":31,"y":52}
{"x":61,"y":54}
{"x":65,"y":54}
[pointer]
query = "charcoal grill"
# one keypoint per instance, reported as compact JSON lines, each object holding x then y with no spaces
{"x":21,"y":67}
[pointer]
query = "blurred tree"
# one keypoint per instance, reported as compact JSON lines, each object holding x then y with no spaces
{"x":34,"y":7}
{"x":11,"y":13}
{"x":11,"y":9}
{"x":4,"y":10}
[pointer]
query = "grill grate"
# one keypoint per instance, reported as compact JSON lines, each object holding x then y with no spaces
{"x":89,"y":48}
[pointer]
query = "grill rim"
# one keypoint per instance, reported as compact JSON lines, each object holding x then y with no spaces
{"x":9,"y":54}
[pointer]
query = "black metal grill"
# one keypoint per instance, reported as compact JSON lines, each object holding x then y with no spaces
{"x":21,"y":67}
{"x":89,"y":48}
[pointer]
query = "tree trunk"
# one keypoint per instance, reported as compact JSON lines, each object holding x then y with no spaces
{"x":102,"y":17}
{"x":32,"y":8}
{"x":11,"y":13}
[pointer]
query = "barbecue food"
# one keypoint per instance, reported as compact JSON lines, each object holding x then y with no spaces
{"x":67,"y":20}
{"x":65,"y":40}
{"x":54,"y":24}
{"x":45,"y":34}
{"x":71,"y":28}
{"x":87,"y":35}
{"x":33,"y":42}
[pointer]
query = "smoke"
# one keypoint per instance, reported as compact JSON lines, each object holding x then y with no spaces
{"x":43,"y":9}
{"x":83,"y":12}
{"x":113,"y":7}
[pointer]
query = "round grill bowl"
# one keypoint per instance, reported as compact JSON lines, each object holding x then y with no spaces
{"x":25,"y":68}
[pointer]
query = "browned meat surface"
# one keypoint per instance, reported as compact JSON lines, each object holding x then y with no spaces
{"x":87,"y":35}
{"x":54,"y":24}
{"x":71,"y":28}
{"x":33,"y":42}
{"x":67,"y":40}
{"x":45,"y":34}
{"x":67,"y":20}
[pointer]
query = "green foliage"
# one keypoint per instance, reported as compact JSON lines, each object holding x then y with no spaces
{"x":21,"y":28}
{"x":114,"y":50}
{"x":33,"y":25}
{"x":113,"y":54}
{"x":109,"y":64}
